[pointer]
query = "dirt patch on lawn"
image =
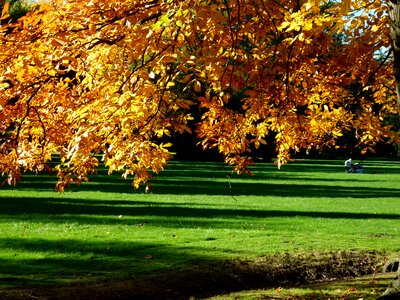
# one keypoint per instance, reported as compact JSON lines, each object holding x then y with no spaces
{"x":216,"y":278}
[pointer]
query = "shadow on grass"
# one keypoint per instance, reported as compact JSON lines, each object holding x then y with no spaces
{"x":69,"y":261}
{"x":58,"y":210}
{"x":165,"y":186}
{"x":301,"y":169}
{"x":208,"y":185}
{"x":294,"y":180}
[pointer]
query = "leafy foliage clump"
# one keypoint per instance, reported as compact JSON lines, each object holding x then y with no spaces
{"x":121,"y":78}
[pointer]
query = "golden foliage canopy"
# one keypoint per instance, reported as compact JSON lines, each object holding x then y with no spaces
{"x":117,"y":78}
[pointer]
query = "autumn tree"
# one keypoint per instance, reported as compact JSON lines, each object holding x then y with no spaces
{"x":118,"y":78}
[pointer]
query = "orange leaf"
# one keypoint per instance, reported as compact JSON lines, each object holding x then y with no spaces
{"x":197,"y":86}
{"x":5,"y":9}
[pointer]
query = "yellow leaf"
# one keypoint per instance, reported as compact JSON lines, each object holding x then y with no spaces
{"x":179,"y":23}
{"x":346,"y":5}
{"x":20,"y":75}
{"x":293,"y":26}
{"x":374,"y":28}
{"x":284,"y":25}
{"x":307,"y":26}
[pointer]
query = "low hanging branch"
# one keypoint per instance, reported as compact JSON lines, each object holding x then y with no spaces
{"x":108,"y":70}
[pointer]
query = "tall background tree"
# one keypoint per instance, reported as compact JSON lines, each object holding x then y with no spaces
{"x":394,"y":13}
{"x":81,"y":78}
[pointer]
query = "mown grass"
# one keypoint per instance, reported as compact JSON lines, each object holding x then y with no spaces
{"x":197,"y":213}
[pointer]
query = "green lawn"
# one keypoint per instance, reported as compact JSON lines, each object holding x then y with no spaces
{"x":105,"y":230}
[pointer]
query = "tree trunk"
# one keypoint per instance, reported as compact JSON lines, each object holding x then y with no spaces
{"x":393,"y":291}
{"x":394,"y":16}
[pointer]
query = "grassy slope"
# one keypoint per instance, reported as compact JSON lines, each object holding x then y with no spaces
{"x":103,"y":230}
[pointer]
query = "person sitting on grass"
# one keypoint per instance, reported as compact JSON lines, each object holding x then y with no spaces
{"x":349,"y":165}
{"x":353,"y":168}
